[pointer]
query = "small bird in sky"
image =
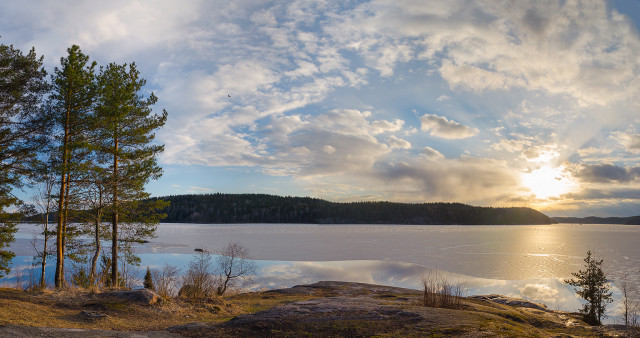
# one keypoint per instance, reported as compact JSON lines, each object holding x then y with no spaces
{"x":228,"y":95}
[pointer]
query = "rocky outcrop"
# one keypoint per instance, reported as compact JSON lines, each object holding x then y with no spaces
{"x":515,"y":302}
{"x":359,"y":309}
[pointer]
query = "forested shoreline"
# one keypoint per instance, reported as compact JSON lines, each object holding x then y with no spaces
{"x":633,"y":220}
{"x":262,"y":208}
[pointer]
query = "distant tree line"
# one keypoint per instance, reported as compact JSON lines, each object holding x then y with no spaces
{"x":633,"y":220}
{"x":262,"y":208}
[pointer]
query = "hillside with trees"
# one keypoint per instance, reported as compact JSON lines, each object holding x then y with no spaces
{"x":260,"y":208}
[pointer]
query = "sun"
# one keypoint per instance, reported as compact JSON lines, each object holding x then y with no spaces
{"x":547,"y":182}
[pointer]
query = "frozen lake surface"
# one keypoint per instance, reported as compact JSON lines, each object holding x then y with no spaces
{"x":521,"y":261}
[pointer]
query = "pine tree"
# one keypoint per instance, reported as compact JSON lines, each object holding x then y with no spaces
{"x":72,"y":100}
{"x":148,"y":280}
{"x":22,"y":85}
{"x":593,"y":287}
{"x":124,"y":141}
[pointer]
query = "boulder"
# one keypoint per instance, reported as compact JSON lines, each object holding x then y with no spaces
{"x":142,"y":296}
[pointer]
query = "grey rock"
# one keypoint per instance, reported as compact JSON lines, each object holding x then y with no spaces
{"x":516,"y":302}
{"x":142,"y":296}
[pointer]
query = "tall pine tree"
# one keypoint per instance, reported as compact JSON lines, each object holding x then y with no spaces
{"x":22,"y":85}
{"x":124,"y":139}
{"x":72,"y":98}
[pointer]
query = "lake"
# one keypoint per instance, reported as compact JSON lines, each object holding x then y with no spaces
{"x":527,"y":261}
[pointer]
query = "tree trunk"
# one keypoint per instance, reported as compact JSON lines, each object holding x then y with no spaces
{"x":96,"y":254}
{"x":64,"y":227}
{"x":43,"y":282}
{"x":114,"y":224}
{"x":59,"y":277}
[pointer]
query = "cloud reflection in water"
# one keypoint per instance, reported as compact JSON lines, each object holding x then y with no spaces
{"x":275,"y":274}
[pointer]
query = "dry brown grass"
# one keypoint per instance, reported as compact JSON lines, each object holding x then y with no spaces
{"x":64,"y":309}
{"x":474,"y":317}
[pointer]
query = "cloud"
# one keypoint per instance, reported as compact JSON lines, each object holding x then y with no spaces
{"x":437,"y":179}
{"x":440,"y":126}
{"x":201,"y":189}
{"x":552,"y":47}
{"x":327,"y":149}
{"x":544,"y":153}
{"x":476,"y":79}
{"x":608,"y":196}
{"x":603,"y":173}
{"x":431,"y":153}
{"x":395,"y":142}
{"x":630,"y":141}
{"x":512,"y":145}
{"x":117,"y":29}
{"x":589,"y":151}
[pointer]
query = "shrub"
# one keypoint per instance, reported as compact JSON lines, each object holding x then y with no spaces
{"x":165,"y":280}
{"x":199,"y":282}
{"x":233,"y":263}
{"x":439,"y":292}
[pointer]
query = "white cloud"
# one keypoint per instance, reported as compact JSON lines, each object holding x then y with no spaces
{"x":477,"y":79}
{"x":247,"y":77}
{"x":440,"y":126}
{"x":584,"y":152}
{"x":304,"y":68}
{"x":431,"y":153}
{"x":576,"y":48}
{"x":395,"y":142}
{"x":511,"y":145}
{"x":630,"y":141}
{"x":541,"y":153}
{"x":387,"y":126}
{"x":200,"y":189}
{"x":387,"y":57}
{"x":328,"y":149}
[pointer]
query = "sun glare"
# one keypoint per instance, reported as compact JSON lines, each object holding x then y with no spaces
{"x":547,"y":182}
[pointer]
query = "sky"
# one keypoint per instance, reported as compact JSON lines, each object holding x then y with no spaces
{"x":489,"y":103}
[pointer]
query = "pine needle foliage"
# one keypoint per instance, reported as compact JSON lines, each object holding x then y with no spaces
{"x":592,"y":285}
